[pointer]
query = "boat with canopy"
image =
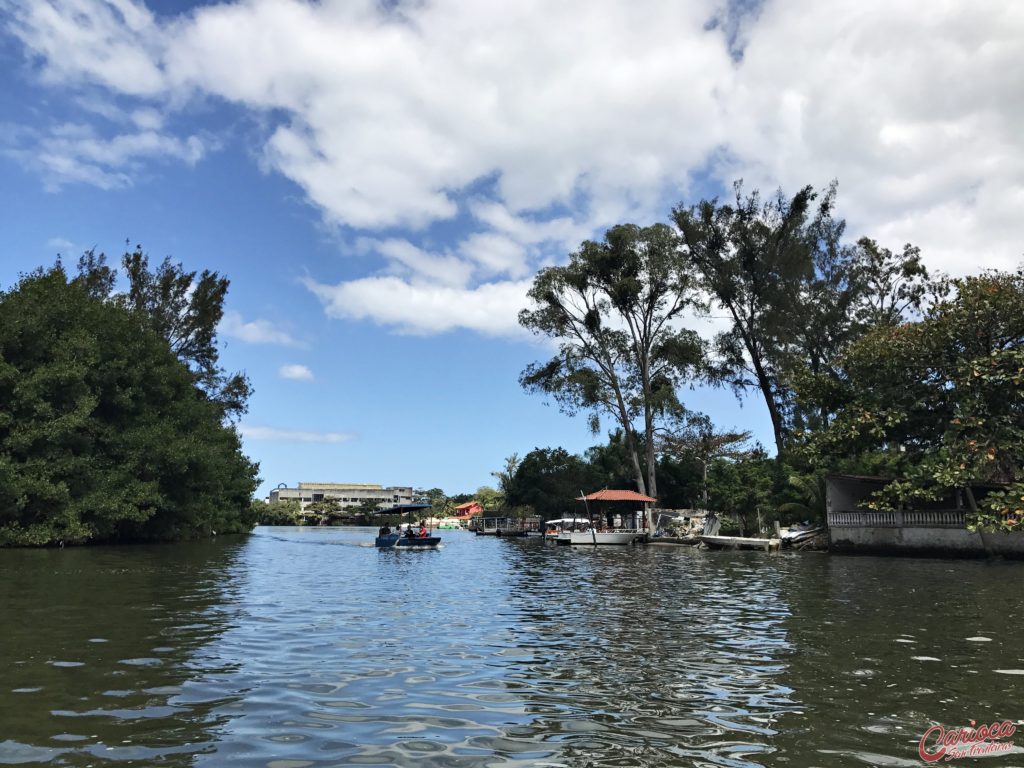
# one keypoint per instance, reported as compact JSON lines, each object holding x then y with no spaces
{"x":404,"y":536}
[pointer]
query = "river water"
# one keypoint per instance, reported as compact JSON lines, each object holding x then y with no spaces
{"x":307,"y":647}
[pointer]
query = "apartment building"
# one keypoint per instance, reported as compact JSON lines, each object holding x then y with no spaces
{"x":348,"y":495}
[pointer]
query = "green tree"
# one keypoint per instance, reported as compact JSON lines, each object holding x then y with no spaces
{"x":694,"y":436}
{"x":895,"y":284}
{"x":323,"y":511}
{"x":489,"y":498}
{"x":614,"y":310}
{"x":440,"y":504}
{"x":744,"y":490}
{"x":102,"y":435}
{"x":794,"y":293}
{"x":181,"y":306}
{"x":548,"y":480}
{"x":505,"y":475}
{"x":944,"y":397}
{"x":278,"y":512}
{"x":753,"y":259}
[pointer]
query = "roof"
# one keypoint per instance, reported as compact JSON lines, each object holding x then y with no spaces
{"x":613,"y":495}
{"x":468,"y":504}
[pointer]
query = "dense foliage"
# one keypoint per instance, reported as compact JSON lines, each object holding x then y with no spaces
{"x":943,"y":397}
{"x":106,"y":434}
{"x":865,"y":363}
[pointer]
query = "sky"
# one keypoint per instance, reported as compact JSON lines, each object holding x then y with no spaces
{"x":381,"y":179}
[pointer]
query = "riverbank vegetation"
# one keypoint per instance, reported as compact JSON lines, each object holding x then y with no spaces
{"x":116,"y":421}
{"x":865,"y":363}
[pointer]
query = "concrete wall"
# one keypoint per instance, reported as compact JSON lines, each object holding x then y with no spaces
{"x":936,"y":532}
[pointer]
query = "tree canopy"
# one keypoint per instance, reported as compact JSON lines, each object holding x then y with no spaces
{"x":794,"y":293}
{"x":943,"y":396}
{"x":614,"y":311}
{"x":105,"y":434}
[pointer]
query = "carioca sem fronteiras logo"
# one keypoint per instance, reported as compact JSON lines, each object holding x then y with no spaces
{"x":976,"y":741}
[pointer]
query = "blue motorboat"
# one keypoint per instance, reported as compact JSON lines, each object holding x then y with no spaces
{"x":405,"y":539}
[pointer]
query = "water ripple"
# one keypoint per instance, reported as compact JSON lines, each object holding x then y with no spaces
{"x":296,"y":648}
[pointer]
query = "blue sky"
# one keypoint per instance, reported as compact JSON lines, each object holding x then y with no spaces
{"x":381,"y":180}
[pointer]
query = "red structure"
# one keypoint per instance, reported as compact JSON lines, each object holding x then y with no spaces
{"x":467,"y":510}
{"x":611,"y":495}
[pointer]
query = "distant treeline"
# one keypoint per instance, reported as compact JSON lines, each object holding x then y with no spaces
{"x":116,"y":419}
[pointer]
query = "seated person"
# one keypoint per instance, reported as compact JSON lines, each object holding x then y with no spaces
{"x":409,"y":534}
{"x":385,"y":530}
{"x":423,"y":530}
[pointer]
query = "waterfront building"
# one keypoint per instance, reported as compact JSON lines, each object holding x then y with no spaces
{"x":348,"y":495}
{"x":936,"y":528}
{"x":468,"y":510}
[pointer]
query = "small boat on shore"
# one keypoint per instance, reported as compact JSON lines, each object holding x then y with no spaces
{"x":740,"y":542}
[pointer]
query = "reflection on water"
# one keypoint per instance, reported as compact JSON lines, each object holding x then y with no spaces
{"x":307,"y":647}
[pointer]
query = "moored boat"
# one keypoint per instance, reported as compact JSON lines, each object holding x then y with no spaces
{"x":740,"y":542}
{"x":620,"y":537}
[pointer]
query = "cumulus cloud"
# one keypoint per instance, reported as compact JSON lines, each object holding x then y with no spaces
{"x":295,"y":372}
{"x":234,"y":326}
{"x":275,"y":434}
{"x":490,"y":308}
{"x":540,"y":124}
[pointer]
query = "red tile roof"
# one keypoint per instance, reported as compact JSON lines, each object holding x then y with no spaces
{"x":611,"y":495}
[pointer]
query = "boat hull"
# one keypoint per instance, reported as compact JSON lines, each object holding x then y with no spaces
{"x":611,"y":538}
{"x":739,"y":542}
{"x":394,"y":541}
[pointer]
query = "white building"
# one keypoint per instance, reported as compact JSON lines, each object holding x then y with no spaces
{"x":348,"y":495}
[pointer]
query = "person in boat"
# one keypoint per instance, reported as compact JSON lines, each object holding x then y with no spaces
{"x":409,"y":533}
{"x":385,"y":530}
{"x":423,"y":530}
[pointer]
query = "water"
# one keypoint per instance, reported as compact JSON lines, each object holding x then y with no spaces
{"x":307,"y":647}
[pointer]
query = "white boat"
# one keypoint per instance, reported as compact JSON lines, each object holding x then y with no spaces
{"x":562,"y":524}
{"x":740,"y":542}
{"x":619,"y":537}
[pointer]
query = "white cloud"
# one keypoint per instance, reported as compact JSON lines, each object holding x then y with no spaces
{"x":546,"y":123}
{"x":76,"y":153}
{"x":274,"y":434}
{"x":490,"y":308}
{"x":61,"y":244}
{"x":234,"y":326}
{"x":407,"y":258}
{"x":295,"y":372}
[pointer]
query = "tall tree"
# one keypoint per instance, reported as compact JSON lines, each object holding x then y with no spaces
{"x":185,"y":308}
{"x":615,"y":311}
{"x":181,"y":306}
{"x":895,"y":284}
{"x":753,"y":258}
{"x":505,"y":475}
